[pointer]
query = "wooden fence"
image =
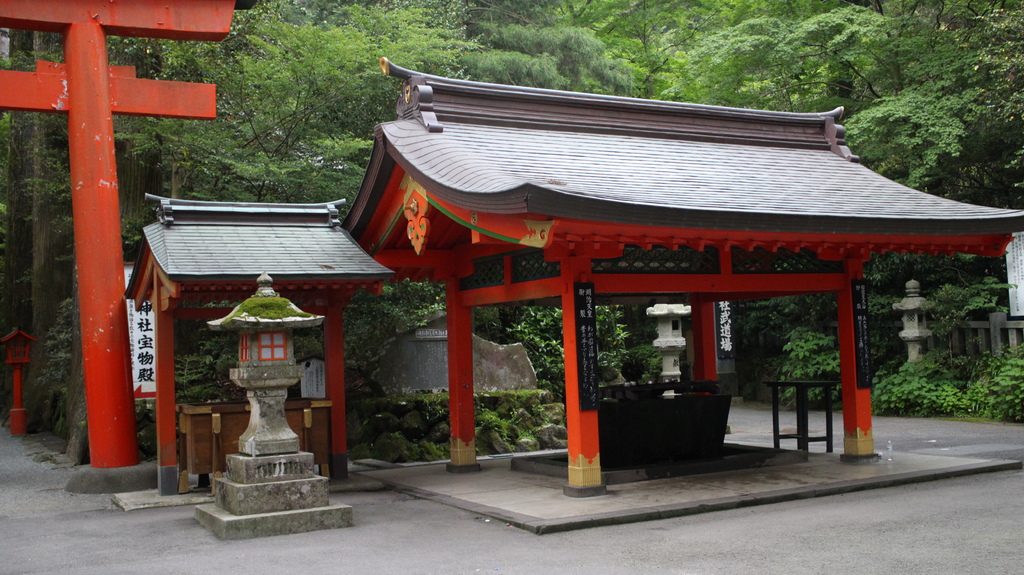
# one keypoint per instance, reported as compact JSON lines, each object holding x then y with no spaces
{"x":977,"y":337}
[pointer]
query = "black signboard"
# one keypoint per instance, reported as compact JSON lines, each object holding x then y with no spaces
{"x":723,"y":330}
{"x":586,"y":344}
{"x":860,"y":333}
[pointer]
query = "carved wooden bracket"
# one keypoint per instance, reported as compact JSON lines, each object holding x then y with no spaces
{"x":415,"y":210}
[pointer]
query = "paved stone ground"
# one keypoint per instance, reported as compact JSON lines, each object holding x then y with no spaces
{"x":966,"y":525}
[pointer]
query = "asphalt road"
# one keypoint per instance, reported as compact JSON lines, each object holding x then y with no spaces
{"x":966,"y":525}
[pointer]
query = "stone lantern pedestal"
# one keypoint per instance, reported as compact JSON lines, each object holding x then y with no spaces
{"x":270,"y":487}
{"x":670,"y":341}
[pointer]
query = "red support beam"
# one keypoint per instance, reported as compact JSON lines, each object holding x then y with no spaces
{"x":192,"y":20}
{"x":97,"y":223}
{"x":46,"y":90}
{"x":584,"y":439}
{"x":334,"y":374}
{"x":169,"y":482}
{"x":718,"y":284}
{"x":702,"y":321}
{"x":858,"y":440}
{"x":460,"y":381}
{"x":525,"y":291}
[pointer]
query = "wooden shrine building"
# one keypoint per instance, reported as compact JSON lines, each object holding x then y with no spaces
{"x":513,"y":194}
{"x":203,"y":253}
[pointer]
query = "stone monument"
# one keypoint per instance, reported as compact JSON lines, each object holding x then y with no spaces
{"x":670,"y":341}
{"x":270,"y":487}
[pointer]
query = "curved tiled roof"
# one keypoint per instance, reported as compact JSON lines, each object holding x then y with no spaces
{"x":506,"y":149}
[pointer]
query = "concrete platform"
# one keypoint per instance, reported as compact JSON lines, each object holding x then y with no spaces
{"x":535,"y":502}
{"x":228,"y":526}
{"x":150,"y":498}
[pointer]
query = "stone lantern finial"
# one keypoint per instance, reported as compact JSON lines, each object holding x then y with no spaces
{"x":265,"y":287}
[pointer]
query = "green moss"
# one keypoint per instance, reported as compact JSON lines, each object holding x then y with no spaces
{"x":511,"y":417}
{"x":268,"y":308}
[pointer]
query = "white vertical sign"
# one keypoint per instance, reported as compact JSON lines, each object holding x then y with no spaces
{"x":143,"y":345}
{"x":314,"y":380}
{"x":1015,"y":275}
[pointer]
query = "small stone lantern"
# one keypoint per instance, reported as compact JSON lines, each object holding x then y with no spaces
{"x":270,"y":488}
{"x":670,"y":341}
{"x":18,"y":345}
{"x":915,"y":325}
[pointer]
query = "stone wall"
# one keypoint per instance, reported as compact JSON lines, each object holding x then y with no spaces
{"x":417,"y":360}
{"x":414,"y":427}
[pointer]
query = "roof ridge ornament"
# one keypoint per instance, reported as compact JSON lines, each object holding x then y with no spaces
{"x":417,"y":99}
{"x":432,"y":99}
{"x":207,"y":212}
{"x":836,"y":135}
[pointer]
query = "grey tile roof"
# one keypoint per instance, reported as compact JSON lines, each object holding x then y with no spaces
{"x":220,"y":241}
{"x":671,"y":182}
{"x":508,"y":149}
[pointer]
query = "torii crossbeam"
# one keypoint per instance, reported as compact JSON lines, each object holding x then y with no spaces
{"x":90,"y":91}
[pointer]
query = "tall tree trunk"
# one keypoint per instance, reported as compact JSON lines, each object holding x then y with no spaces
{"x":16,"y":310}
{"x":52,"y":248}
{"x":39,"y":256}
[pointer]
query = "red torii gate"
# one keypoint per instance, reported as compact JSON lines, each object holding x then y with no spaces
{"x":89,"y":91}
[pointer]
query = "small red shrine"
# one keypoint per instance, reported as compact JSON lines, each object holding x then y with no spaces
{"x":521,"y":195}
{"x":199,"y":254}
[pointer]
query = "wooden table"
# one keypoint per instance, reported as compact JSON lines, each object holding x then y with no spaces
{"x":802,"y":434}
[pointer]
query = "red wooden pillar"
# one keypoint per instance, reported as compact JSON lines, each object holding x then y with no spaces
{"x":584,"y":437}
{"x":334,"y":374}
{"x":460,"y":382}
{"x":169,"y":481}
{"x":858,"y":442}
{"x":97,"y":221}
{"x":702,"y":321}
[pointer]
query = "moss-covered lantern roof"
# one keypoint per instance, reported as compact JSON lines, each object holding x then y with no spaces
{"x":266,"y":310}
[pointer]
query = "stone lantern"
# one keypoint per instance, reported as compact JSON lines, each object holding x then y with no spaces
{"x":670,"y":341}
{"x":270,"y":488}
{"x":915,"y":325}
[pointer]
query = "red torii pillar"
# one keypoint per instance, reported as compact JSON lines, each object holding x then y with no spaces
{"x":87,"y":89}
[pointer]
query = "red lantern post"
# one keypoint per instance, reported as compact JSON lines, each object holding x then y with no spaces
{"x":18,"y":344}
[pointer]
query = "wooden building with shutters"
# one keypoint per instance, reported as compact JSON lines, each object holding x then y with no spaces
{"x":521,"y":195}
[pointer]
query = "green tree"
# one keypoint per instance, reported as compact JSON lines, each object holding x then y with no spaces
{"x":649,"y":35}
{"x":531,"y":43}
{"x":296,"y":102}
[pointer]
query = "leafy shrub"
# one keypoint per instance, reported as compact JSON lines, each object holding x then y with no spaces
{"x":641,"y":363}
{"x":924,"y":388}
{"x":809,"y":356}
{"x":1002,"y":379}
